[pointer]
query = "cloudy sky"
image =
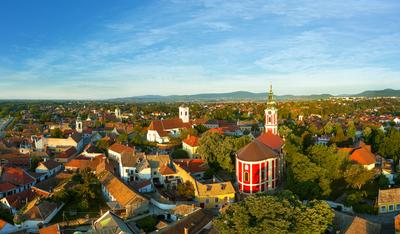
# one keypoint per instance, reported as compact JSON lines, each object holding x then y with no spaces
{"x":101,"y":49}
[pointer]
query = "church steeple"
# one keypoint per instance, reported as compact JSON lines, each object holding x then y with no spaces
{"x":271,"y":114}
{"x":271,"y":100}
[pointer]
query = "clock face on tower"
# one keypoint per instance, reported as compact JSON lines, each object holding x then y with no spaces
{"x":269,"y":112}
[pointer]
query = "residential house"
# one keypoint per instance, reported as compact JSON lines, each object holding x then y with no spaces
{"x":120,"y":196}
{"x":143,"y":186}
{"x":39,"y":213}
{"x":207,"y":195}
{"x":194,"y":222}
{"x":388,"y":200}
{"x":361,"y":155}
{"x":66,"y":155}
{"x":116,"y":150}
{"x":15,"y":160}
{"x":7,"y":189}
{"x":16,"y":176}
{"x":49,"y":167}
{"x":190,"y":145}
{"x":347,"y":224}
{"x":18,"y":200}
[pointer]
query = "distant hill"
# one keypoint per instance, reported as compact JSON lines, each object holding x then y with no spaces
{"x":379,"y":93}
{"x":231,"y":96}
{"x":248,"y":96}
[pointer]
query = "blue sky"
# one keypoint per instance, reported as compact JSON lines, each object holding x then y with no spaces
{"x":100,"y":49}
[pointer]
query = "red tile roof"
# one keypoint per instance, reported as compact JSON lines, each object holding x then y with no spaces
{"x":192,"y":165}
{"x":71,"y":151}
{"x":16,"y":176}
{"x":50,"y":164}
{"x":192,"y":141}
{"x":217,"y":130}
{"x":161,"y":126}
{"x":361,"y":155}
{"x":271,"y":140}
{"x":5,"y":186}
{"x":18,"y":200}
{"x":121,"y":148}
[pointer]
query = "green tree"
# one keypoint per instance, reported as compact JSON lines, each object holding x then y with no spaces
{"x":351,"y":130}
{"x":383,"y":182}
{"x":179,"y":154}
{"x":186,"y":190}
{"x":274,"y":214}
{"x":356,"y":176}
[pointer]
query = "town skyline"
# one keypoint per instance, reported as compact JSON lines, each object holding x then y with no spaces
{"x":103,"y":50}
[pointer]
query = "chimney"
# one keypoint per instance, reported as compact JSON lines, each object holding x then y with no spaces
{"x":186,"y":230}
{"x":193,"y":207}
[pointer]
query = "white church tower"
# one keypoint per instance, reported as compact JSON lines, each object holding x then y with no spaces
{"x":271,"y":114}
{"x":184,"y":113}
{"x":78,"y":124}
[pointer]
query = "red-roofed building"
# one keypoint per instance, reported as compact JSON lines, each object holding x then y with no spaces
{"x":361,"y":155}
{"x":259,"y":164}
{"x":160,"y":130}
{"x":195,"y":167}
{"x":190,"y":145}
{"x":16,"y":201}
{"x":7,"y":189}
{"x":16,"y":176}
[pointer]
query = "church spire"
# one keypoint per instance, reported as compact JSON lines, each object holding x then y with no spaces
{"x":271,"y":101}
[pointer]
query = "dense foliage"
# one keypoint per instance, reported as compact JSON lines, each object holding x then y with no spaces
{"x":283,"y":213}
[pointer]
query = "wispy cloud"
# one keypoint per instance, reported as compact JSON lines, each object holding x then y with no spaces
{"x":216,"y":46}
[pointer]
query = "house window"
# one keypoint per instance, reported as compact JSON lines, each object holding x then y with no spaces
{"x":398,"y":207}
{"x":262,"y":171}
{"x":207,"y":201}
{"x":216,"y":199}
{"x":246,"y":177}
{"x":383,"y":208}
{"x":391,"y":207}
{"x":127,"y":170}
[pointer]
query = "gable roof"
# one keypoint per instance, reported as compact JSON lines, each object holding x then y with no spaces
{"x":271,"y":140}
{"x":361,"y":155}
{"x":119,"y":190}
{"x":118,"y":148}
{"x":194,"y":222}
{"x":18,"y":200}
{"x":71,"y":151}
{"x":111,"y":223}
{"x":192,"y":141}
{"x":353,"y":224}
{"x":256,"y":151}
{"x":6,"y":186}
{"x":162,"y":126}
{"x":16,"y":176}
{"x":40,"y":211}
{"x":50,"y":164}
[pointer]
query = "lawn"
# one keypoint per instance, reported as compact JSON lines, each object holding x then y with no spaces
{"x":148,"y":223}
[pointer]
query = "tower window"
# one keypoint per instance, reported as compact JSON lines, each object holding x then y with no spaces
{"x":246,"y":177}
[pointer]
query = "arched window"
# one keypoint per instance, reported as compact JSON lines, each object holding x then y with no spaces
{"x":246,"y":176}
